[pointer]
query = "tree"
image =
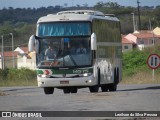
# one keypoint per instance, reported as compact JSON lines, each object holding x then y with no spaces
{"x":157,"y":16}
{"x":65,"y":4}
{"x":112,"y":5}
{"x":6,"y":28}
{"x":85,"y":5}
{"x":99,"y":5}
{"x":78,"y":6}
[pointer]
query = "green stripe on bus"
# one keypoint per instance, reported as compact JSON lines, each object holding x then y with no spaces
{"x":70,"y":71}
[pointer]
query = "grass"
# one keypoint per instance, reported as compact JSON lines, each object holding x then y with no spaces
{"x":18,"y":77}
{"x":142,"y":78}
{"x":8,"y":83}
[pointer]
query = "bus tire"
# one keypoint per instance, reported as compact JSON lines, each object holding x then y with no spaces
{"x":66,"y":90}
{"x":74,"y":90}
{"x":94,"y":89}
{"x":112,"y":87}
{"x":104,"y":88}
{"x":48,"y":90}
{"x":117,"y":76}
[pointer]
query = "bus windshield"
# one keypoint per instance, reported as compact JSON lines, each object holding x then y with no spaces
{"x":64,"y":29}
{"x":64,"y":52}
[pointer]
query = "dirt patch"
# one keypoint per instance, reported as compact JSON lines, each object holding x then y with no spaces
{"x":95,"y":96}
{"x":2,"y":93}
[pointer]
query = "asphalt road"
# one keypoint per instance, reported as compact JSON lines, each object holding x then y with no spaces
{"x":126,"y":98}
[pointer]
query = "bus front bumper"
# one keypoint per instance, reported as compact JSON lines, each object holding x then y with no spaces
{"x":67,"y":82}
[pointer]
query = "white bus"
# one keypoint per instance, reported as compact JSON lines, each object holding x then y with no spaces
{"x":77,"y":49}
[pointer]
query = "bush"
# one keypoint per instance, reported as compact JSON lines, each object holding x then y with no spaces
{"x":132,"y":61}
{"x":3,"y":74}
{"x":17,"y":77}
{"x":21,"y":74}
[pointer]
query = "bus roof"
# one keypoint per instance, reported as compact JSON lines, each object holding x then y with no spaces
{"x":76,"y":15}
{"x":87,"y":12}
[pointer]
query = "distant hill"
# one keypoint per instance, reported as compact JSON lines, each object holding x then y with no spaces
{"x":30,"y":15}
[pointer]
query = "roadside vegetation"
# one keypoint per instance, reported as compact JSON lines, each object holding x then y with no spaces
{"x":135,"y":68}
{"x":17,"y":77}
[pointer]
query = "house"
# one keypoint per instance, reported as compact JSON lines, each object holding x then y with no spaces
{"x":143,"y":39}
{"x":156,"y":31}
{"x":21,"y":59}
{"x":10,"y":59}
{"x":21,"y":50}
{"x":127,"y":45}
{"x":25,"y":59}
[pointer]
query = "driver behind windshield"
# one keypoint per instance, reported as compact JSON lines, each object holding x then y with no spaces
{"x":50,"y":52}
{"x":81,"y":49}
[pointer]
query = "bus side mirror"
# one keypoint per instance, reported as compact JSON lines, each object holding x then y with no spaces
{"x":93,"y":42}
{"x":33,"y":44}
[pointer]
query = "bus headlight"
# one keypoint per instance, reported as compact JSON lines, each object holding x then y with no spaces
{"x":44,"y":76}
{"x":89,"y":81}
{"x":85,"y":75}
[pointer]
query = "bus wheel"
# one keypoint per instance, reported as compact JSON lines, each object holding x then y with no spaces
{"x":48,"y":90}
{"x":104,"y":88}
{"x":66,"y":90}
{"x":74,"y":90}
{"x":94,"y":89}
{"x":112,"y":87}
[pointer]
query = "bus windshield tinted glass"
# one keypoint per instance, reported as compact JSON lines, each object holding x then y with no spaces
{"x":64,"y":52}
{"x":64,"y":29}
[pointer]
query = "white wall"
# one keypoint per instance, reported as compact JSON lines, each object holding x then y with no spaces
{"x":130,"y":47}
{"x":25,"y":62}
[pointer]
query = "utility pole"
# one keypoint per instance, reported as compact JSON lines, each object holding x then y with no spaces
{"x":139,"y":15}
{"x":12,"y":50}
{"x":134,"y":27}
{"x":2,"y":55}
{"x":150,"y":25}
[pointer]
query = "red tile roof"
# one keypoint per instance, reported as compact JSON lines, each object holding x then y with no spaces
{"x":126,"y":41}
{"x":145,"y":35}
{"x":9,"y":53}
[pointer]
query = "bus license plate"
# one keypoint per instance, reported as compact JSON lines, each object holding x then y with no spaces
{"x":64,"y":82}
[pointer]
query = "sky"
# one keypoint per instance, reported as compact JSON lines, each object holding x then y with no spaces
{"x":46,"y":3}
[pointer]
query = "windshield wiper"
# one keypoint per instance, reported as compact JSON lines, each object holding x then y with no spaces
{"x":73,"y":60}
